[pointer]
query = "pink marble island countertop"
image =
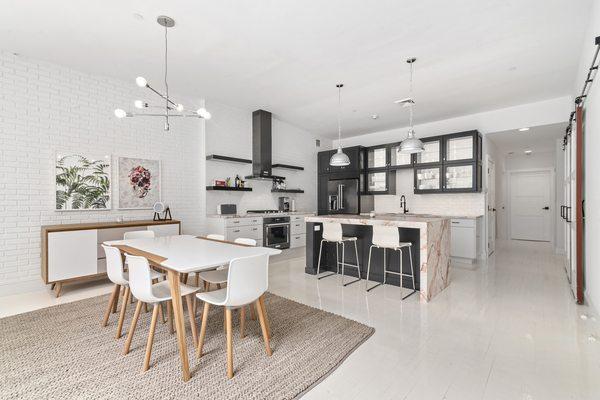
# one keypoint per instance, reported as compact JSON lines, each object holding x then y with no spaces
{"x":434,"y":237}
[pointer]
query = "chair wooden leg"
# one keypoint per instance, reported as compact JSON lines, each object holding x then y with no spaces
{"x":229,"y":343}
{"x":161,"y":314}
{"x":145,"y":307}
{"x":225,"y":319}
{"x":170,"y":316}
{"x":263,"y":327}
{"x":219,"y":286}
{"x":116,"y":303}
{"x":202,"y":330}
{"x":197,"y":278}
{"x":190,"y":307}
{"x":243,"y":321}
{"x":150,"y":338}
{"x":206,"y":286}
{"x":252,"y":312}
{"x":261,"y":299}
{"x":123,"y":308}
{"x":111,"y":301}
{"x":136,"y":315}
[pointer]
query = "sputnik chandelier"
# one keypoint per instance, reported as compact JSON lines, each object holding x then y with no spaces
{"x":171,"y":109}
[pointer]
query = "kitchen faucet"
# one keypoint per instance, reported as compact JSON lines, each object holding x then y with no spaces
{"x":403,"y":204}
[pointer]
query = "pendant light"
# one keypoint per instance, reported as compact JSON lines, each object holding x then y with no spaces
{"x":169,"y":109}
{"x":339,"y":159}
{"x":411,"y":144}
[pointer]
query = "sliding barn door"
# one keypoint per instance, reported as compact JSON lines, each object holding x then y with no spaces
{"x":577,"y":196}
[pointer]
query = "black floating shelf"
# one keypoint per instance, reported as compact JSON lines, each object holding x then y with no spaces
{"x":229,"y":188}
{"x":287,"y":191}
{"x":286,"y":166}
{"x":216,"y":157}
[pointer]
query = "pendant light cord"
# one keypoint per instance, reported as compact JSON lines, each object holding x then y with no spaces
{"x":339,"y":115}
{"x":410,"y":93}
{"x":166,"y":83}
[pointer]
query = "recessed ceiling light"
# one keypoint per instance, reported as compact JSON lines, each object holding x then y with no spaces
{"x":528,"y":152}
{"x":374,"y":116}
{"x":138,"y":16}
{"x":523,"y":129}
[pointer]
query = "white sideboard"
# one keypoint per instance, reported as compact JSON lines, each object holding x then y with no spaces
{"x":73,"y":252}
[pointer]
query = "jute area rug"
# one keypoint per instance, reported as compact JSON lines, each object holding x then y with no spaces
{"x":62,"y":352}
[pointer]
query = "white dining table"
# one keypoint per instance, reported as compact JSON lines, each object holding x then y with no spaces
{"x":184,"y":254}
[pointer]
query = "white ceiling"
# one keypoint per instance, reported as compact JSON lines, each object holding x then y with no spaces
{"x":286,"y":56}
{"x":539,"y":139}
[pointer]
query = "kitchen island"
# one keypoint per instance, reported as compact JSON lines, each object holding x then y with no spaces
{"x":429,"y":234}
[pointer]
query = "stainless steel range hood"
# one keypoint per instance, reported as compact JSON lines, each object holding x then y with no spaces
{"x":261,"y":147}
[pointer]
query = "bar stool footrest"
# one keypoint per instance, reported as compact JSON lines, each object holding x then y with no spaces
{"x":326,"y":276}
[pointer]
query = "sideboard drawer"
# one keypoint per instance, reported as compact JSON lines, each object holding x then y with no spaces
{"x":72,"y":254}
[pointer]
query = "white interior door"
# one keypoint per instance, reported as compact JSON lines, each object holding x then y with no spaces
{"x":491,"y":208}
{"x":530,"y":205}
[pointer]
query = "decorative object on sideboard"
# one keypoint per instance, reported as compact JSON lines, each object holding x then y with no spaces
{"x":171,"y":109}
{"x":82,"y":182}
{"x":339,"y":158}
{"x":411,"y":144}
{"x":160,"y":207}
{"x":139,"y":183}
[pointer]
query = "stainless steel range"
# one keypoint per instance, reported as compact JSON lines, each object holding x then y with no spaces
{"x":276,"y":232}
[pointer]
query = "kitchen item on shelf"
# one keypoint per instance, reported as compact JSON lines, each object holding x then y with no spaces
{"x":160,"y":207}
{"x":279,"y":184}
{"x":227,"y":209}
{"x":293,"y":206}
{"x":343,"y":196}
{"x":276,"y":232}
{"x":228,"y":182}
{"x":220,"y":183}
{"x":284,"y":203}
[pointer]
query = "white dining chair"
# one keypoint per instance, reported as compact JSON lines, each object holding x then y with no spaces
{"x":215,"y":236}
{"x":219,"y":276}
{"x":247,"y":281}
{"x":115,"y":272}
{"x":140,"y":282}
{"x":138,"y":235}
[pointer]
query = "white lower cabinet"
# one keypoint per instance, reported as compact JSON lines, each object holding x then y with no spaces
{"x":463,"y":239}
{"x":298,"y":231}
{"x":237,"y":227}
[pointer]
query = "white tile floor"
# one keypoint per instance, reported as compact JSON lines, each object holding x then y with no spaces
{"x":505,"y":329}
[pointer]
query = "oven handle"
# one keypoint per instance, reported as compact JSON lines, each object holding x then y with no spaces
{"x":282,"y":224}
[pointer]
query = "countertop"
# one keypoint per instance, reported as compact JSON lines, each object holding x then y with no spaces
{"x":451,"y":216}
{"x":381,"y":219}
{"x":283,"y":214}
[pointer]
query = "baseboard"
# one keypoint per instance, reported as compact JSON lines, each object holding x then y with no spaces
{"x":31,"y":285}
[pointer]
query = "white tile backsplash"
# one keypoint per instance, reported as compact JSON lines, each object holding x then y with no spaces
{"x":439,"y":204}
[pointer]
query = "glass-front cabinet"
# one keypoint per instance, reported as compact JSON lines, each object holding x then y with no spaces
{"x":428,"y":179}
{"x":380,"y":182}
{"x":399,"y":160}
{"x":462,"y":146}
{"x":432,"y":153}
{"x":462,"y":177}
{"x":378,"y":157}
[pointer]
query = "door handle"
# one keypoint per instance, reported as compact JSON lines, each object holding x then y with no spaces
{"x":562,"y":212}
{"x":546,"y":208}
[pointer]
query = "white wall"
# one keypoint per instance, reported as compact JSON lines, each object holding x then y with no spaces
{"x":559,"y":242}
{"x":592,"y":162}
{"x":229,"y":133}
{"x":45,"y":108}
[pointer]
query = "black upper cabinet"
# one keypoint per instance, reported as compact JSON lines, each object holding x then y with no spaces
{"x":399,"y":160}
{"x":433,"y":151}
{"x":354,"y":153}
{"x":462,"y":147}
{"x":378,"y":157}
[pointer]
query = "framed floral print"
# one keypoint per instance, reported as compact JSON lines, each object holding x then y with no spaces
{"x":139,"y":183}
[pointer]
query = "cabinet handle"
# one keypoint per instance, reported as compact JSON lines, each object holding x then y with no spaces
{"x":254,"y":229}
{"x":236,"y":222}
{"x":237,"y":230}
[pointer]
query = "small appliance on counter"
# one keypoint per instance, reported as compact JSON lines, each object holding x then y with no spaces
{"x":284,"y":204}
{"x":227,"y":209}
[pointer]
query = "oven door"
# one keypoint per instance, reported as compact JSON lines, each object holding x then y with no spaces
{"x":277,"y":236}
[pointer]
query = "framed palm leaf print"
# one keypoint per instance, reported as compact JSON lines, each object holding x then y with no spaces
{"x":82,"y":182}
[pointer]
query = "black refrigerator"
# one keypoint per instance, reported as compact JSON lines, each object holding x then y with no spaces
{"x":343,"y":196}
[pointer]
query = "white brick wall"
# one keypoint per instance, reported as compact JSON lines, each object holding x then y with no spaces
{"x":46,"y":108}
